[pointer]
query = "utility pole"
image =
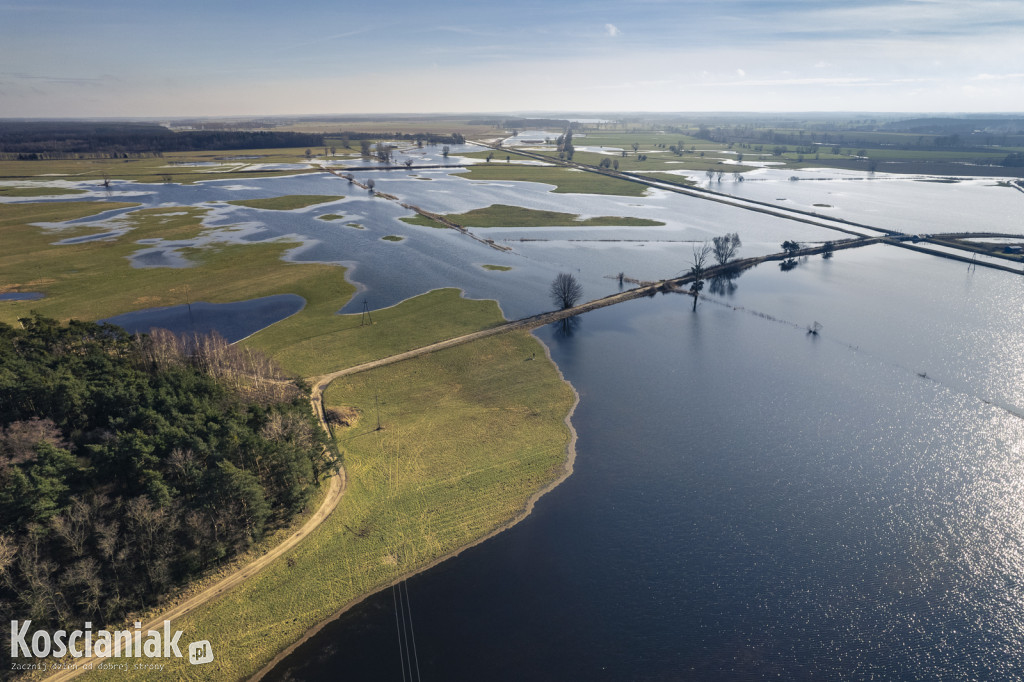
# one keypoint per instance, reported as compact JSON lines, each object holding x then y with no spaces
{"x":366,"y":315}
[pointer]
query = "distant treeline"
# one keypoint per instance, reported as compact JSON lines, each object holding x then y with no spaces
{"x":521,"y":123}
{"x":31,"y":140}
{"x":129,"y":464}
{"x":427,"y":138}
{"x":920,"y":135}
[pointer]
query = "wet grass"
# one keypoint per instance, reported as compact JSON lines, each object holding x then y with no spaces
{"x":93,"y":280}
{"x":41,"y":191}
{"x":287,"y":203}
{"x":170,"y":167}
{"x":499,"y":156}
{"x":565,"y":180}
{"x":469,"y":434}
{"x":316,"y":340}
{"x":502,"y":215}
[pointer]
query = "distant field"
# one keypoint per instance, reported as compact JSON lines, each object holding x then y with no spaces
{"x":499,"y":155}
{"x":287,"y":203}
{"x":171,"y":167}
{"x":411,"y":126}
{"x":566,"y":181}
{"x":38,"y":191}
{"x":501,"y":215}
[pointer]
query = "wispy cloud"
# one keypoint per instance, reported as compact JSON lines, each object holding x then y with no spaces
{"x":997,"y":76}
{"x":63,"y":80}
{"x":612,"y":30}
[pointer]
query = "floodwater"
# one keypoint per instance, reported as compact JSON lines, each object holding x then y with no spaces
{"x":750,"y":500}
{"x":22,"y":296}
{"x":233,"y":321}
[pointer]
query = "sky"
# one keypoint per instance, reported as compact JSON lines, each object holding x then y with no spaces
{"x":140,"y":58}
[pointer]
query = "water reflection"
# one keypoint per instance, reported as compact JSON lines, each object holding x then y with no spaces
{"x":565,"y":329}
{"x":724,"y":283}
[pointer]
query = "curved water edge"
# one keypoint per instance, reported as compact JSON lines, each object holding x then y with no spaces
{"x":22,"y":296}
{"x":567,"y":470}
{"x":234,"y":321}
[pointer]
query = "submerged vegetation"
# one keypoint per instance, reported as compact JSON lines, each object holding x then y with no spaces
{"x":289,"y":203}
{"x":502,"y":215}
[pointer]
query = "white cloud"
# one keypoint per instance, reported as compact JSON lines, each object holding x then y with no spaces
{"x":741,"y":73}
{"x":612,"y":30}
{"x":997,"y":76}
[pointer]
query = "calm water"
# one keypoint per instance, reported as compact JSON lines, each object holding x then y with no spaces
{"x":233,"y":321}
{"x":751,"y":502}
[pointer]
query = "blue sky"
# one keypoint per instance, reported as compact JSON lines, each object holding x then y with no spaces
{"x":227,"y":57}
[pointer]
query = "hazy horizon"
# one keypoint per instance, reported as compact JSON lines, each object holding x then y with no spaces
{"x":124,"y":59}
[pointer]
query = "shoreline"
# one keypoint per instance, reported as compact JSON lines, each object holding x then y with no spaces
{"x":568,"y":467}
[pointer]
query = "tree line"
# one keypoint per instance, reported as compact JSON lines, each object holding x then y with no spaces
{"x":129,"y":464}
{"x":31,"y":140}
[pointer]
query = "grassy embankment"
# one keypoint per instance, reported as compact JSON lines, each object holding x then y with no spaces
{"x":565,"y":180}
{"x":287,"y":203}
{"x":471,"y":433}
{"x":171,"y":167}
{"x":502,"y":215}
{"x":500,"y":155}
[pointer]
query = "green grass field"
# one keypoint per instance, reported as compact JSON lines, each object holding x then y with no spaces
{"x":317,"y":341}
{"x":41,"y":191}
{"x":565,"y":180}
{"x":93,"y":280}
{"x":288,"y":203}
{"x":469,"y":435}
{"x":502,"y":215}
{"x":171,"y":167}
{"x":499,"y":155}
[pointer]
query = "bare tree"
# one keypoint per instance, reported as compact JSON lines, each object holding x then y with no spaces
{"x":725,"y":247}
{"x":565,"y":290}
{"x":698,"y":269}
{"x":370,"y":184}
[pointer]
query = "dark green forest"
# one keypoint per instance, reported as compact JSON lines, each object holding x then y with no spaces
{"x":130,"y":463}
{"x":32,"y":140}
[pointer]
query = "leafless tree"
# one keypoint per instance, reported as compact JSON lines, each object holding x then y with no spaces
{"x":565,"y":290}
{"x":725,"y":247}
{"x":698,"y":269}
